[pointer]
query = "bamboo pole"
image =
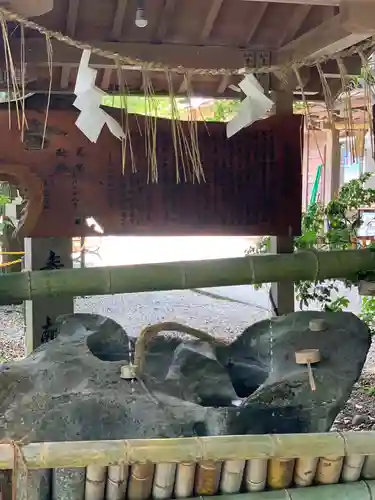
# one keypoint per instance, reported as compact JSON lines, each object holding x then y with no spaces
{"x":163,"y":481}
{"x":304,"y":265}
{"x":231,"y":477}
{"x":197,"y":449}
{"x":280,"y":473}
{"x":95,"y":482}
{"x":207,"y":478}
{"x":117,"y":482}
{"x":184,"y":484}
{"x":256,"y":474}
{"x":304,"y":471}
{"x":368,"y":471}
{"x":362,"y":490}
{"x":352,"y":468}
{"x":140,"y":481}
{"x":329,"y":470}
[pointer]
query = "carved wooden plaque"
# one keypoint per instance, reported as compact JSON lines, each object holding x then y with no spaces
{"x":253,"y":180}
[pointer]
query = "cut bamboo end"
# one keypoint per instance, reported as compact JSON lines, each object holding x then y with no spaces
{"x":231,"y":477}
{"x":184,"y":484}
{"x":207,"y":478}
{"x":329,"y":470}
{"x":280,"y":473}
{"x":305,"y":470}
{"x":368,"y":471}
{"x":117,"y":482}
{"x":95,"y":482}
{"x":128,"y":372}
{"x":140,"y":481}
{"x":256,"y":474}
{"x":352,"y":468}
{"x":164,"y":479}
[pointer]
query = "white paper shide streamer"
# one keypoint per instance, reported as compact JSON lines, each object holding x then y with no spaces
{"x":92,"y":118}
{"x":254,"y":107}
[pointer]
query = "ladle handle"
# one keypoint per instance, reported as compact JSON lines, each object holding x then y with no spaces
{"x":311,"y":377}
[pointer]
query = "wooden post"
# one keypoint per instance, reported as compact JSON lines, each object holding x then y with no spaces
{"x":283,"y":292}
{"x":41,"y":314}
{"x":332,"y":166}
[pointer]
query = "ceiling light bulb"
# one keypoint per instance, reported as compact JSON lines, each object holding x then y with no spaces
{"x":140,"y":19}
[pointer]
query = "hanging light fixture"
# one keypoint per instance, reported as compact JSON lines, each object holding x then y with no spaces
{"x":140,"y":19}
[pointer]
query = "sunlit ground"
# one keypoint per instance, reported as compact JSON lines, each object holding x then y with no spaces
{"x":115,"y":251}
{"x":138,"y":250}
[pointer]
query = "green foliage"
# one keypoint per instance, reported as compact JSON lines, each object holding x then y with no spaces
{"x":5,"y":198}
{"x":333,"y":227}
{"x":369,"y":390}
{"x":368,"y":312}
{"x":142,"y":105}
{"x":366,"y":77}
{"x":224,"y":110}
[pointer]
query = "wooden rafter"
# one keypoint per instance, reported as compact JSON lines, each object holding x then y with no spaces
{"x":299,"y":15}
{"x":71,"y":23}
{"x":223,"y":85}
{"x":165,"y":19}
{"x":185,"y":83}
{"x":211,"y":18}
{"x":106,"y":79}
{"x":304,"y":2}
{"x":354,"y":23}
{"x":118,"y":20}
{"x":257,"y":14}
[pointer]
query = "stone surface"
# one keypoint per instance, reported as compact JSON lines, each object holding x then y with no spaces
{"x":360,"y":419}
{"x":261,"y":363}
{"x":71,"y":389}
{"x":187,"y":370}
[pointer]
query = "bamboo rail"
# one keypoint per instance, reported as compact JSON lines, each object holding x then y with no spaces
{"x":298,"y":266}
{"x":363,"y":490}
{"x":185,"y":450}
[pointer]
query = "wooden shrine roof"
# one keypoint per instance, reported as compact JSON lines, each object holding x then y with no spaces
{"x":206,"y":34}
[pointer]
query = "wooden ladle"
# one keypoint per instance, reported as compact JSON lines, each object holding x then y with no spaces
{"x":308,"y":357}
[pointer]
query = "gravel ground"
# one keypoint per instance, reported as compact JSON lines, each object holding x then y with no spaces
{"x":219,"y":317}
{"x":359,"y":411}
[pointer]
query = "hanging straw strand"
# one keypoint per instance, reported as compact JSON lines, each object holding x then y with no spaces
{"x":49,"y":55}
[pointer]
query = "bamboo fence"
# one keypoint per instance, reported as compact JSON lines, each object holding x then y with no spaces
{"x":298,"y":266}
{"x":193,"y":467}
{"x":188,"y":467}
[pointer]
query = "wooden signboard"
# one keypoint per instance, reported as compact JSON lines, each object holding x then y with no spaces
{"x":253,"y":180}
